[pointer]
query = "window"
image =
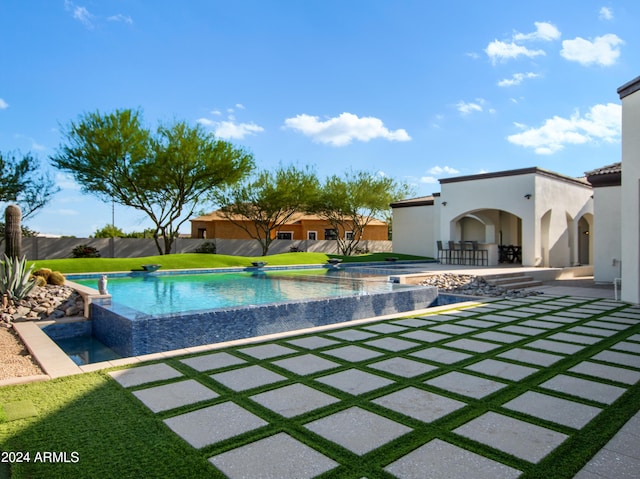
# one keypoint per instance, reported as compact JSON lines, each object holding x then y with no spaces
{"x":202,"y":232}
{"x":348,"y":235}
{"x":312,"y":235}
{"x":284,"y":235}
{"x":330,"y":234}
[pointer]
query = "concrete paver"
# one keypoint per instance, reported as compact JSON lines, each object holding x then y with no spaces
{"x":144,"y":374}
{"x":353,"y":353}
{"x":419,"y":404}
{"x":293,"y":400}
{"x":358,"y":430}
{"x":247,"y":378}
{"x":213,"y":424}
{"x":441,"y":355}
{"x":306,"y":364}
{"x":212,"y":361}
{"x":446,"y":461}
{"x":274,"y":457}
{"x":173,"y":395}
{"x":354,"y":381}
{"x":502,"y":369}
{"x":466,"y":384}
{"x":402,"y":367}
{"x":551,"y":408}
{"x":584,"y":388}
{"x":513,"y":436}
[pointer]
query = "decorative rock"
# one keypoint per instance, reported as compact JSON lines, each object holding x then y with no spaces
{"x":46,"y":302}
{"x":472,"y":286}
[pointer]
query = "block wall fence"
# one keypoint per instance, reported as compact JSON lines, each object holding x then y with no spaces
{"x":57,"y":248}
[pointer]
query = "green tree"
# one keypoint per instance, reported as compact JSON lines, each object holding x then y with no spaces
{"x":268,"y":200}
{"x":164,"y":173}
{"x":22,"y":182}
{"x":109,"y":231}
{"x":351,"y":201}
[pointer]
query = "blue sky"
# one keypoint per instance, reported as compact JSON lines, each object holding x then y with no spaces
{"x":417,"y":90}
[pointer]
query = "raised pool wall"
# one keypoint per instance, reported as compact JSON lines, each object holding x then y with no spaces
{"x":131,"y":333}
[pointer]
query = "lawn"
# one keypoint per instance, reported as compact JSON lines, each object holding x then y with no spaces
{"x":196,"y":260}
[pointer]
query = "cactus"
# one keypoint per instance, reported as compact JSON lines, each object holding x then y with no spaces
{"x":13,"y":232}
{"x":56,"y":278}
{"x":15,"y":278}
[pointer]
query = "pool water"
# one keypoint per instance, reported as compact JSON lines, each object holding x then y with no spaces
{"x":86,"y":350}
{"x":165,"y":294}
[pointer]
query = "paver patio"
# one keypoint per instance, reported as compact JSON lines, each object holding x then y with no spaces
{"x":492,"y":391}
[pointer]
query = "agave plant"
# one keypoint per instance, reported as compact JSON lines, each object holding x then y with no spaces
{"x":15,"y":278}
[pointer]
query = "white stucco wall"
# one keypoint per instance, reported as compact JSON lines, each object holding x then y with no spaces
{"x":606,"y":233}
{"x":501,"y":193}
{"x":535,"y":209}
{"x":415,"y":230}
{"x":564,"y":203}
{"x":630,"y":206}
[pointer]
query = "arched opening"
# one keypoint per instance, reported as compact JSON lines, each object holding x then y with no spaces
{"x":585,"y":239}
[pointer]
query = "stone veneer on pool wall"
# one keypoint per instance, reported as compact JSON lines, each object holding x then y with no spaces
{"x":131,"y":333}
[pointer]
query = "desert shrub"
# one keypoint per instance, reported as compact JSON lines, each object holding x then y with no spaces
{"x":85,"y":251}
{"x":15,"y":278}
{"x":206,"y":247}
{"x":39,"y":280}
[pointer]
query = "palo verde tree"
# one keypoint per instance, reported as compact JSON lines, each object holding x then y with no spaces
{"x":351,"y":201}
{"x":23,"y":183}
{"x":164,"y":173}
{"x":265,"y":202}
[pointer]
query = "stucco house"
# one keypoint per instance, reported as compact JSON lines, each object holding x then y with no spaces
{"x":546,"y":216}
{"x":300,"y":227}
{"x":607,"y":244}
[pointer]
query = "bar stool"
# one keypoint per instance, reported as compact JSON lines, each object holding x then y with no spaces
{"x":442,"y":252}
{"x":466,"y":253}
{"x":481,"y":255}
{"x":454,"y":253}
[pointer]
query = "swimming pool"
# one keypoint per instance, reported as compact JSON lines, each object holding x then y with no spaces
{"x":178,"y":293}
{"x":294,"y":300}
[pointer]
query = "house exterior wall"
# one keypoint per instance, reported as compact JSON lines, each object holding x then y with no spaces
{"x":606,"y":233}
{"x":630,"y":230}
{"x":504,"y":193}
{"x":224,"y":229}
{"x":532,"y":208}
{"x":415,"y":230}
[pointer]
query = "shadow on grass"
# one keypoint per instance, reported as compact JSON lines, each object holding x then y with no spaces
{"x":87,"y":426}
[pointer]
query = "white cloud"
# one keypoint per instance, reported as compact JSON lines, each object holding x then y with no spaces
{"x":343,"y":129}
{"x":470,"y":107}
{"x":205,"y":122}
{"x":240,"y":106}
{"x":3,"y":104}
{"x":600,"y":123}
{"x":440,"y":170}
{"x":428,"y":179}
{"x":502,"y":51}
{"x":605,"y":14}
{"x":79,"y":13}
{"x":544,"y":31}
{"x":121,"y":18}
{"x":602,"y":50}
{"x":229,"y":130}
{"x":516,"y":79}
